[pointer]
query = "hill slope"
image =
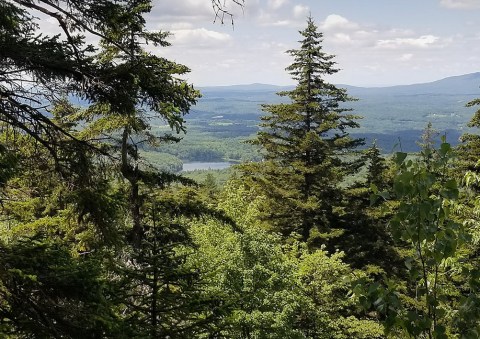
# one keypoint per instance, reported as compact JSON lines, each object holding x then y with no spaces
{"x":455,"y":85}
{"x":390,"y":113}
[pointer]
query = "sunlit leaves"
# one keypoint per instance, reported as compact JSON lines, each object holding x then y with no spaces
{"x":424,"y":220}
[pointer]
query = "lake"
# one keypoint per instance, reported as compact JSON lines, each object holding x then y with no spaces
{"x":192,"y":166}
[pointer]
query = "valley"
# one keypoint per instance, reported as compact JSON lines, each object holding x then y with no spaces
{"x":219,"y":125}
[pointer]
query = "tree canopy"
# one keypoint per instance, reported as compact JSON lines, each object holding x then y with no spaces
{"x":96,"y":242}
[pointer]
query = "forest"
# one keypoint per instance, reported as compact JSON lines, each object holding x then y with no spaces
{"x":320,"y":235}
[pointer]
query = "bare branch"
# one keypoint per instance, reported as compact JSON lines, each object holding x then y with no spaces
{"x":221,"y":11}
{"x":68,"y":15}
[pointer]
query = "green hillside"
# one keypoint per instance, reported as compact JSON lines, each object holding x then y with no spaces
{"x":226,"y":116}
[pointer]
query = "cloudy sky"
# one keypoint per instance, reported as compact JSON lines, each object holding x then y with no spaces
{"x":376,"y":42}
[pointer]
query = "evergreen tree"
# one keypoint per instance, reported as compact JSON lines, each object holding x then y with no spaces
{"x":468,"y":152}
{"x":305,"y":143}
{"x":124,"y":85}
{"x":366,"y":240}
{"x":139,"y":87}
{"x":82,"y":189}
{"x":439,"y":289}
{"x":376,"y":167}
{"x":157,"y":293}
{"x":46,"y":292}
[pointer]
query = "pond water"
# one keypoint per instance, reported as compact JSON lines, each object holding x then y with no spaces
{"x":192,"y":166}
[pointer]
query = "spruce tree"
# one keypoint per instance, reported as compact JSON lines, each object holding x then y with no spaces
{"x":468,"y":152}
{"x":376,"y":167}
{"x":48,"y":292}
{"x":305,"y":143}
{"x":366,"y":240}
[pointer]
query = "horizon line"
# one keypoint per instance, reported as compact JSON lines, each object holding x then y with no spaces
{"x":339,"y":84}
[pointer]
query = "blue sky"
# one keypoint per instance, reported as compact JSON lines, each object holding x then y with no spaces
{"x":376,"y":42}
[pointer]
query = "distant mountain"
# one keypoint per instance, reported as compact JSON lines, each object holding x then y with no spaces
{"x":461,"y":84}
{"x":245,"y":88}
{"x":393,"y":115}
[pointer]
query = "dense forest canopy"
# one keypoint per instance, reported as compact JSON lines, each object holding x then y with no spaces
{"x":317,"y":239}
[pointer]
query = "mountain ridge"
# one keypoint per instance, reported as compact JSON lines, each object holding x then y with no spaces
{"x":458,"y":84}
{"x":391,"y":115}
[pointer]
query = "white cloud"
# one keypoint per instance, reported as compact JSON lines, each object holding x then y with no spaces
{"x":342,"y":38}
{"x":401,"y":32}
{"x":267,"y":18}
{"x":276,"y":4}
{"x":421,"y":42}
{"x":199,"y":37}
{"x":342,"y":31}
{"x":335,"y":22}
{"x":281,"y":23}
{"x":300,"y":12}
{"x":461,"y":4}
{"x":287,"y":16}
{"x":406,"y":57}
{"x":369,"y":51}
{"x":180,"y":26}
{"x":273,"y":45}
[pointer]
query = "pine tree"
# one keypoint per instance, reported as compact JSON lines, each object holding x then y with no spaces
{"x":158,"y":294}
{"x":365,"y":238}
{"x":468,"y":152}
{"x":140,"y":86}
{"x":305,"y":143}
{"x":377,"y":167}
{"x":46,"y":292}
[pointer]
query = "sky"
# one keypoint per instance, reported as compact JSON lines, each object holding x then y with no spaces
{"x":376,"y":42}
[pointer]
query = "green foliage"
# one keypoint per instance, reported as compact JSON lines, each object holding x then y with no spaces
{"x":469,"y":150}
{"x":424,"y":220}
{"x":46,"y":291}
{"x":85,"y":189}
{"x":100,"y":238}
{"x":77,"y":203}
{"x":466,"y":319}
{"x":158,"y":295}
{"x":162,"y":161}
{"x":269,"y":290}
{"x":302,"y":142}
{"x":250,"y":276}
{"x":123,"y":85}
{"x":325,"y":281}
